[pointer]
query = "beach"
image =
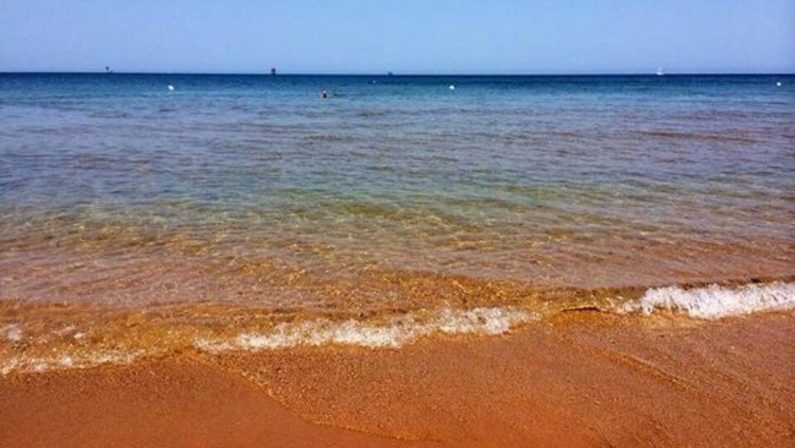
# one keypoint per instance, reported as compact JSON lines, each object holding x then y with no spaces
{"x":234,"y":260}
{"x":584,"y":379}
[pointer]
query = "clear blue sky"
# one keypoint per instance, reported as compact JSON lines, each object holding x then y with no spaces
{"x":419,"y":36}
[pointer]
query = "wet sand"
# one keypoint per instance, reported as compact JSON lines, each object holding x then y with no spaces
{"x":580,"y":379}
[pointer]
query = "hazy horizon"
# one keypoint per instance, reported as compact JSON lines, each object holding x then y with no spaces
{"x":386,"y":74}
{"x":505,"y":37}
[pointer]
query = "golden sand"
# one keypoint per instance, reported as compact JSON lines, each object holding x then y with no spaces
{"x":580,"y":379}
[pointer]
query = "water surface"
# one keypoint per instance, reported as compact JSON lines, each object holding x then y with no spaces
{"x":249,"y":197}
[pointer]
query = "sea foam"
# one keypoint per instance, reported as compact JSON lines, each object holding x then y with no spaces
{"x":12,"y":332}
{"x":714,"y":301}
{"x":710,"y":302}
{"x":70,"y":360}
{"x":393,"y":333}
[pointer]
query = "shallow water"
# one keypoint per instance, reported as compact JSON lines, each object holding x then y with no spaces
{"x":398,"y":195}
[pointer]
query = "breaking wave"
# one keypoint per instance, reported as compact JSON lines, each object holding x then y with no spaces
{"x":394,"y":333}
{"x":21,"y":351}
{"x":714,"y":301}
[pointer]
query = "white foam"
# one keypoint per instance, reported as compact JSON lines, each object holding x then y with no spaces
{"x":393,"y":334}
{"x":69,"y":361}
{"x":13,"y":332}
{"x":711,"y":302}
{"x":715,"y":302}
{"x":212,"y":346}
{"x":9,"y":365}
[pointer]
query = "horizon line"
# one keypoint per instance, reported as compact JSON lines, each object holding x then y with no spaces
{"x":386,"y":74}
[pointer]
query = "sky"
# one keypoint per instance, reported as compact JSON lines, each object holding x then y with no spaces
{"x":403,"y":36}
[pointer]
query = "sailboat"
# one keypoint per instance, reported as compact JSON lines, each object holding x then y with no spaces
{"x":660,"y":71}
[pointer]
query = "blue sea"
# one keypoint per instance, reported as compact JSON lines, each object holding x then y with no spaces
{"x":398,"y":193}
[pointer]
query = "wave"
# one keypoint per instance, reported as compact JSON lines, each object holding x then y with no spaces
{"x":17,"y":346}
{"x":70,"y":361}
{"x":714,"y":301}
{"x":394,"y":333}
{"x":710,"y":302}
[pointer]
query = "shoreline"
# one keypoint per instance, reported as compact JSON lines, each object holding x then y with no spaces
{"x":579,"y":379}
{"x":42,"y":336}
{"x":484,"y":262}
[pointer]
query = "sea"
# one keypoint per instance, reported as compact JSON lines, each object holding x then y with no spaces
{"x":145,"y":214}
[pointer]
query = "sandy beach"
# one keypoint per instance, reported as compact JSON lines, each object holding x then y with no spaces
{"x":357,"y":224}
{"x":232,"y":260}
{"x":581,"y":379}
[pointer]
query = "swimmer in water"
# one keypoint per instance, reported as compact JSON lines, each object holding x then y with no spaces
{"x":323,"y":94}
{"x":334,"y":93}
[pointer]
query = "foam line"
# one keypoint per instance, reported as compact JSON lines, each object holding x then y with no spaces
{"x":393,"y":334}
{"x":715,"y":302}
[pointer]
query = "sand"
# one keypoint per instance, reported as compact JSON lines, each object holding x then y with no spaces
{"x":581,"y":379}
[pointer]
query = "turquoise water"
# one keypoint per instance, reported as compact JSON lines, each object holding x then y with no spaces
{"x":114,"y":188}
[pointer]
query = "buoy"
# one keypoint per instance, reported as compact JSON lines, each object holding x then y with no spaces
{"x":451,"y":87}
{"x":170,"y":88}
{"x":778,"y":84}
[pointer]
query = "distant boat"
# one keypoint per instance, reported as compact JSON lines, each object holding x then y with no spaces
{"x":390,"y":74}
{"x":273,"y":71}
{"x":660,"y":71}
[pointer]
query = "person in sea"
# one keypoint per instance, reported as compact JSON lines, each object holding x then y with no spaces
{"x":324,"y":94}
